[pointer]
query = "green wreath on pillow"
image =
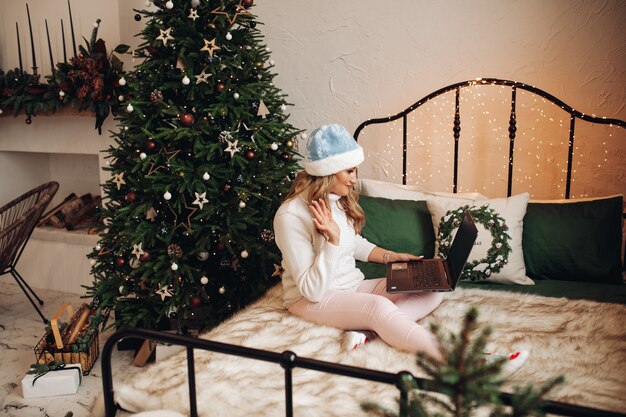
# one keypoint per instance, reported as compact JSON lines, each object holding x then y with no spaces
{"x":498,"y":253}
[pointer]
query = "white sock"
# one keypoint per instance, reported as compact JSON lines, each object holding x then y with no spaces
{"x":353,"y":340}
{"x":513,"y":363}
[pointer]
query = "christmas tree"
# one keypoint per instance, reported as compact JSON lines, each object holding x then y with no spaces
{"x":202,"y":158}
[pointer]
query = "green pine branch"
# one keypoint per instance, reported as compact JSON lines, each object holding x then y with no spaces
{"x":466,"y":382}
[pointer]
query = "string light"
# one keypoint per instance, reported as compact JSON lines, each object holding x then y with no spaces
{"x":540,"y":151}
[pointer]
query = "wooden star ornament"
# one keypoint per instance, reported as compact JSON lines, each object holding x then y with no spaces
{"x":137,"y":251}
{"x":231,"y":18}
{"x":200,"y":200}
{"x":165,"y":36}
{"x":164,"y":291}
{"x":118,"y":180}
{"x":210,"y":47}
{"x":202,"y":77}
{"x":232,"y":148}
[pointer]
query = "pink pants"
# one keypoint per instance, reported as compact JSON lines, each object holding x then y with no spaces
{"x":392,"y":316}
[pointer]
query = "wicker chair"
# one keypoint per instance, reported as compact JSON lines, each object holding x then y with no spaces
{"x":17,"y":222}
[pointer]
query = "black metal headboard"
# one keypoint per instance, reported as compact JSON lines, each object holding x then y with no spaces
{"x":512,"y":128}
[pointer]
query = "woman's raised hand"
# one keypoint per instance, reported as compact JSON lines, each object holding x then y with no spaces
{"x":324,"y":222}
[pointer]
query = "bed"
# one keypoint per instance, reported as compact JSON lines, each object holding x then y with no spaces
{"x":560,"y":297}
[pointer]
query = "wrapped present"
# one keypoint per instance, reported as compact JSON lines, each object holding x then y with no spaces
{"x":72,"y":342}
{"x":52,"y":379}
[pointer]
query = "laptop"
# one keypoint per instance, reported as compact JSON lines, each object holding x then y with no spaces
{"x":434,"y":274}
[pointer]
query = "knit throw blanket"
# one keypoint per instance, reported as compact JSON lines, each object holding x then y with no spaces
{"x":583,"y":340}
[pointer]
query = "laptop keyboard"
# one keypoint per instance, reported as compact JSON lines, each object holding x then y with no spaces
{"x":426,"y":274}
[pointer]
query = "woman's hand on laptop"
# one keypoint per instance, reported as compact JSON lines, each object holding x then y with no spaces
{"x":385,"y":256}
{"x":399,"y":257}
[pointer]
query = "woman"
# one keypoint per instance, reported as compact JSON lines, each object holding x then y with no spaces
{"x":317,"y":230}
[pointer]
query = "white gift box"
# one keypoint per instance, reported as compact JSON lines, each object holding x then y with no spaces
{"x":59,"y":382}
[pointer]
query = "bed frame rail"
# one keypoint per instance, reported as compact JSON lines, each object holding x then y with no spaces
{"x":288,"y":361}
{"x":456,"y":128}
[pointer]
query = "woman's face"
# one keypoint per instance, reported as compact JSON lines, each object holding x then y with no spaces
{"x":344,"y":181}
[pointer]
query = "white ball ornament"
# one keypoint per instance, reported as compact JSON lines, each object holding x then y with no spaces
{"x":92,"y":262}
{"x":204,"y":280}
{"x":122,"y":81}
{"x":303,"y":135}
{"x":167,"y":195}
{"x":174,"y":266}
{"x":148,"y":3}
{"x":206,"y":176}
{"x":1,"y":111}
{"x":274,"y":146}
{"x":121,"y":289}
{"x":129,"y":108}
{"x":244,"y":254}
{"x":236,"y":96}
{"x":95,"y":25}
{"x":283,"y":107}
{"x":121,"y":98}
{"x":134,"y":263}
{"x":186,"y":80}
{"x":61,"y":93}
{"x":271,"y":62}
{"x":242,"y":204}
{"x":169,"y":4}
{"x":203,"y":256}
{"x":229,"y":36}
{"x":143,"y":156}
{"x":98,"y":247}
{"x":222,"y":290}
{"x":195,"y":3}
{"x":267,"y":49}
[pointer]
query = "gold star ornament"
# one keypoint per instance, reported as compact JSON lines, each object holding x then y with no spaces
{"x":210,"y":47}
{"x":164,"y":292}
{"x":118,"y":180}
{"x":165,"y":36}
{"x":231,"y":18}
{"x":232,"y":148}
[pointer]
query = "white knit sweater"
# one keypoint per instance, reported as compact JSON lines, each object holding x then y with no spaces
{"x":311,"y":264}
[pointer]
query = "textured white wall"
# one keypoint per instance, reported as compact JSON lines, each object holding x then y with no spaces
{"x":351,"y":60}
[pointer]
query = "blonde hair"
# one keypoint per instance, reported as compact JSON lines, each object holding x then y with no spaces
{"x":313,"y":188}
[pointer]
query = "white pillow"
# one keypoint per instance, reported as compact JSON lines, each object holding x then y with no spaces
{"x":497,"y":255}
{"x":382,"y":189}
{"x":392,"y":191}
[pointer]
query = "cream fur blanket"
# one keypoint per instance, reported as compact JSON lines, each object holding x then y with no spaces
{"x":583,"y":340}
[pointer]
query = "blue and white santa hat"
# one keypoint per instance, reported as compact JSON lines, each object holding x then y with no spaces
{"x":331,"y":149}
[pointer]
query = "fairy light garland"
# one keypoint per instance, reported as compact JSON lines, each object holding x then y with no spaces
{"x":540,"y":148}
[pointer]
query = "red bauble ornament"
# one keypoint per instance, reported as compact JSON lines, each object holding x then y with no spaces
{"x":220,"y":87}
{"x":250,"y":154}
{"x":144,"y":257}
{"x":227,"y":187}
{"x":286,"y":156}
{"x":247,"y":3}
{"x":150,"y":145}
{"x":153,"y":50}
{"x":120,"y":261}
{"x":196,"y":301}
{"x":187,"y":119}
{"x":219,"y":246}
{"x":131,"y":196}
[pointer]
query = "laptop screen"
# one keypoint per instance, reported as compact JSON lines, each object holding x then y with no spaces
{"x":461,"y":247}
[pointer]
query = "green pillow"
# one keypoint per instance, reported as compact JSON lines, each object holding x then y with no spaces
{"x":574,"y":240}
{"x":397,"y":225}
